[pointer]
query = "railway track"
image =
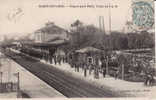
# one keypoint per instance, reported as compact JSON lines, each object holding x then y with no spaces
{"x":64,"y":83}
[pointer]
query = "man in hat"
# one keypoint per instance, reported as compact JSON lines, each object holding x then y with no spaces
{"x":103,"y":66}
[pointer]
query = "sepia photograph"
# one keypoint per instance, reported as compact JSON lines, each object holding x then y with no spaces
{"x":77,"y":49}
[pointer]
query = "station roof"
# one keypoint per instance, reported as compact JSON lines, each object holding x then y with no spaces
{"x":50,"y":44}
{"x":51,"y":28}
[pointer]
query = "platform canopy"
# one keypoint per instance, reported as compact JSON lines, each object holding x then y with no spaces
{"x":50,"y":44}
{"x":88,"y":49}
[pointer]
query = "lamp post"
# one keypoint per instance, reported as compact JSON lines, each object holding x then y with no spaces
{"x":18,"y":84}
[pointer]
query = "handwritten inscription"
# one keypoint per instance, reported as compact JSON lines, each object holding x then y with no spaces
{"x":15,"y":14}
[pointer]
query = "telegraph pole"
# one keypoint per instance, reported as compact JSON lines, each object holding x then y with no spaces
{"x":101,"y":24}
{"x":110,"y":48}
{"x":110,"y":19}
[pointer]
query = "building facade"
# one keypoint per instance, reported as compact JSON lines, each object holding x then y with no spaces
{"x":50,"y":32}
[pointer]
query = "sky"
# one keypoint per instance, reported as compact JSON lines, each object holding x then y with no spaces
{"x":22,"y":17}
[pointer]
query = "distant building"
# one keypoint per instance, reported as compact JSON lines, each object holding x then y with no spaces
{"x":48,"y":40}
{"x":50,"y":32}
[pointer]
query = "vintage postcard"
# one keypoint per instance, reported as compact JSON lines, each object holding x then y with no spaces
{"x":77,"y":49}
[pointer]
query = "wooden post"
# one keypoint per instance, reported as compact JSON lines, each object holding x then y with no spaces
{"x":18,"y":86}
{"x":107,"y":65}
{"x":1,"y":73}
{"x":1,"y":76}
{"x":18,"y":81}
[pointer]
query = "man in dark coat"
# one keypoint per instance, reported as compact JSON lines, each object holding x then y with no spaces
{"x":55,"y":59}
{"x":147,"y":79}
{"x":85,"y":69}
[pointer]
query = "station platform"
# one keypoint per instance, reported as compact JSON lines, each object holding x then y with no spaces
{"x":29,"y":83}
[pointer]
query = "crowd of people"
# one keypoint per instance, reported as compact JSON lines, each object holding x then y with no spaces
{"x":93,"y":64}
{"x":96,"y":64}
{"x":89,"y":64}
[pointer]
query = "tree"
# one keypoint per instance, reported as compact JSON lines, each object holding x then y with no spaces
{"x":89,"y":35}
{"x":140,"y":40}
{"x":77,"y":24}
{"x":84,"y":35}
